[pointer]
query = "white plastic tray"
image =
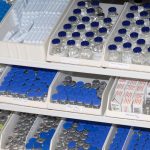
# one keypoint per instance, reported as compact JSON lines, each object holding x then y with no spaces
{"x":120,"y":65}
{"x":21,"y":51}
{"x":70,"y":60}
{"x":19,"y":101}
{"x":125,"y":115}
{"x":59,"y":131}
{"x":75,"y":108}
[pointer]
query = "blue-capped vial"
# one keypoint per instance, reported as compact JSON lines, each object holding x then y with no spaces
{"x":91,"y":13}
{"x":138,"y":57}
{"x":96,"y":6}
{"x":72,"y":50}
{"x":77,"y":13}
{"x":97,"y":45}
{"x":56,"y":46}
{"x":127,"y":53}
{"x":126,"y":24}
{"x":141,"y":43}
{"x":94,"y":26}
{"x":103,"y":32}
{"x":68,"y":28}
{"x":85,"y":50}
{"x":73,"y":21}
{"x":146,"y":6}
{"x":134,"y":8}
{"x":76,"y":37}
{"x":118,"y":41}
{"x":134,"y":36}
{"x":139,"y":24}
{"x":62,"y":36}
{"x":130,"y":17}
{"x":81,"y":28}
{"x":86,"y":22}
{"x":113,"y":54}
{"x":82,"y":5}
{"x":108,"y":22}
{"x":145,"y":31}
{"x":89,"y":36}
{"x":112,"y":13}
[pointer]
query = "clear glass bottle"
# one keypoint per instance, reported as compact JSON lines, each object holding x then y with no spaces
{"x":138,"y":57}
{"x":86,"y":22}
{"x":77,"y":13}
{"x":147,"y":56}
{"x":68,"y":28}
{"x":86,"y":52}
{"x":56,"y":46}
{"x":89,"y":36}
{"x":141,"y":43}
{"x":113,"y":54}
{"x":126,"y":24}
{"x":94,"y":26}
{"x":103,"y":32}
{"x":127,"y":53}
{"x":145,"y":32}
{"x":145,"y":16}
{"x":72,"y":50}
{"x":73,"y":21}
{"x":139,"y":25}
{"x":81,"y":5}
{"x":62,"y":36}
{"x":130,"y":17}
{"x":123,"y":33}
{"x":118,"y":41}
{"x":108,"y":23}
{"x":91,"y":14}
{"x":76,"y":37}
{"x":97,"y":47}
{"x":147,"y":6}
{"x":134,"y":36}
{"x":112,"y":13}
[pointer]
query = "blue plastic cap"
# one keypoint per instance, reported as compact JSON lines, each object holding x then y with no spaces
{"x":89,"y":34}
{"x":147,"y":5}
{"x":72,"y":18}
{"x":56,"y":41}
{"x":85,"y":43}
{"x":126,"y":23}
{"x":145,"y":29}
{"x":107,"y":20}
{"x":77,"y":11}
{"x":148,"y":49}
{"x":86,"y":19}
{"x":98,"y":39}
{"x":29,"y":146}
{"x":122,"y":31}
{"x":71,"y":42}
{"x":137,"y":50}
{"x":80,"y":128}
{"x":62,"y":34}
{"x":143,"y":13}
{"x":67,"y":126}
{"x":102,"y":30}
{"x":81,"y":27}
{"x":67,"y":26}
{"x":140,"y":22}
{"x":95,"y":3}
{"x":90,"y":10}
{"x":127,"y":45}
{"x":94,"y":24}
{"x":134,"y":35}
{"x":130,"y":15}
{"x":75,"y":34}
{"x":71,"y":144}
{"x":140,"y":41}
{"x":112,"y":47}
{"x":112,"y":9}
{"x":81,"y":4}
{"x":96,"y":102}
{"x":118,"y":39}
{"x":134,"y":8}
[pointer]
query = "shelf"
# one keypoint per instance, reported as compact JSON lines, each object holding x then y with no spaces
{"x":78,"y":68}
{"x":128,"y":122}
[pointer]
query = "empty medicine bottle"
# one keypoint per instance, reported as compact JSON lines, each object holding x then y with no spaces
{"x":112,"y":13}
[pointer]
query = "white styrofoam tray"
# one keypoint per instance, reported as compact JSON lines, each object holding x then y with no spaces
{"x":126,"y":115}
{"x":21,"y":51}
{"x":70,"y":60}
{"x":120,"y":65}
{"x":19,"y":101}
{"x":75,"y":108}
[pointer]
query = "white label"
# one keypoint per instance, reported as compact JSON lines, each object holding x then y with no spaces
{"x":74,"y":108}
{"x":119,"y":65}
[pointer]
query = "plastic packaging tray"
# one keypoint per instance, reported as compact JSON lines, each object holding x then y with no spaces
{"x":119,"y":65}
{"x":75,"y":108}
{"x":126,"y":115}
{"x":21,"y":51}
{"x":59,"y":131}
{"x":19,"y":101}
{"x":70,"y":60}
